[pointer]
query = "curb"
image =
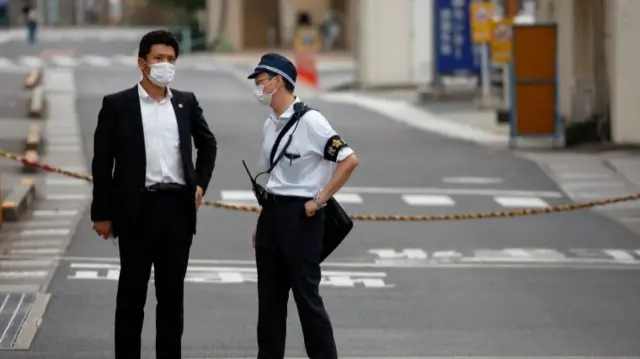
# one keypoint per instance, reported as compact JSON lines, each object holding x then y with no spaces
{"x":33,"y":147}
{"x":19,"y":200}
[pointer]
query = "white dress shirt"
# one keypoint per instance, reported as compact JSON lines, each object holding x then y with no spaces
{"x":161,"y":140}
{"x":304,"y":171}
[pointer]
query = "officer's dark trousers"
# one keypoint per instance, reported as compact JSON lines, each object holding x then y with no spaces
{"x":161,"y":238}
{"x":288,"y":250}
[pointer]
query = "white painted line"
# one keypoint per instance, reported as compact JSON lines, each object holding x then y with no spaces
{"x":52,"y":149}
{"x":37,"y":243}
{"x":126,"y":60}
{"x":352,"y":198}
{"x":86,"y":274}
{"x":237,"y":195}
{"x":451,"y":191}
{"x":194,"y":268}
{"x":408,"y":114}
{"x":620,"y":254}
{"x":45,"y":223}
{"x":31,"y":61}
{"x":38,"y":251}
{"x":427,"y":200}
{"x":13,"y":317}
{"x":64,"y":61}
{"x":49,"y":181}
{"x":472,"y":180}
{"x":67,"y":197}
{"x":55,"y":213}
{"x":97,"y":61}
{"x":520,"y":202}
{"x":26,"y":263}
{"x":24,"y":274}
{"x":407,"y":253}
{"x":517,"y":252}
{"x":45,"y":232}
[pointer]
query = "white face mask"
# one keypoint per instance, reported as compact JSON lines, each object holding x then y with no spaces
{"x":263,"y":98}
{"x":161,"y":74}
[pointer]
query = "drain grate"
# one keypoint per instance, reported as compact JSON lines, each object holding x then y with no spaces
{"x":14,"y":308}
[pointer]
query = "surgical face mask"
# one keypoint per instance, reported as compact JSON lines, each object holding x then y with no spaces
{"x":161,"y":74}
{"x":263,"y":98}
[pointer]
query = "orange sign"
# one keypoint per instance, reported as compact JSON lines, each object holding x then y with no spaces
{"x":501,"y":40}
{"x":481,"y":17}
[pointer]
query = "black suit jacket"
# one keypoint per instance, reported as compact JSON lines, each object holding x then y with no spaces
{"x":119,"y":155}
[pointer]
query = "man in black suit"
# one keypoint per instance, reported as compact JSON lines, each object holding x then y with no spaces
{"x":150,"y":197}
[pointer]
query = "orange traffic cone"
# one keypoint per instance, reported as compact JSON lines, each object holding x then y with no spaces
{"x":307,"y":71}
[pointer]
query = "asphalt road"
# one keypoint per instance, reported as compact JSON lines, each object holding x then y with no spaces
{"x":468,"y":288}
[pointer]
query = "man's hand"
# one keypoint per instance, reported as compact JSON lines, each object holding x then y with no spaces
{"x":103,"y":229}
{"x":199,"y":192}
{"x":253,"y":239}
{"x":310,"y":208}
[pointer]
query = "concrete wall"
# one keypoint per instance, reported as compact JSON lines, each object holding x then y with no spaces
{"x":233,"y":28}
{"x":384,"y":52}
{"x":624,"y":56}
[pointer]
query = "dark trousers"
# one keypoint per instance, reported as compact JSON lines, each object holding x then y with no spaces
{"x":32,"y":27}
{"x":288,"y":250}
{"x":161,"y":238}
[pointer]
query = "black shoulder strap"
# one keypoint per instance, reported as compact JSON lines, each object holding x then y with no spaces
{"x":299,"y":110}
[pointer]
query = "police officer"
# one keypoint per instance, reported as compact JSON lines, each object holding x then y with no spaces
{"x":288,"y":237}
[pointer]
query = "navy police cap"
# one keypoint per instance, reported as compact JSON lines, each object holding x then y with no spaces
{"x":276,"y":64}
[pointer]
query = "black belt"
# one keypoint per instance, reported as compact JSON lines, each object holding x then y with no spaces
{"x":166,"y":187}
{"x":277,"y":198}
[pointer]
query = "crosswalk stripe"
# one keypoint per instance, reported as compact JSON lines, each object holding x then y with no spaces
{"x":98,"y":61}
{"x":65,"y":61}
{"x":31,"y":61}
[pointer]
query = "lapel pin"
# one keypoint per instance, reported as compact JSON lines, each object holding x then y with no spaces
{"x":180,"y":105}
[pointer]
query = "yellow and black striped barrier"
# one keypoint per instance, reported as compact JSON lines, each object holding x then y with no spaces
{"x":373,"y":217}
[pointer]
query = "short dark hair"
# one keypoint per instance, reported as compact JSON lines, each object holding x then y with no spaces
{"x":287,"y":85}
{"x":157,"y":37}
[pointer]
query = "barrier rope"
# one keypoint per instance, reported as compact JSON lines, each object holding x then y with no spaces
{"x":372,"y":217}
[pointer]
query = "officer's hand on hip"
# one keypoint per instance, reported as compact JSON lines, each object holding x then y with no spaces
{"x":310,"y":208}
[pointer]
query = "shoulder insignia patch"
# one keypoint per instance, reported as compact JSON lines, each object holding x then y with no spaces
{"x":332,"y":147}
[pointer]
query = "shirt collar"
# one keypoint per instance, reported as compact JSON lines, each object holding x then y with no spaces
{"x":286,"y":114}
{"x":145,"y":96}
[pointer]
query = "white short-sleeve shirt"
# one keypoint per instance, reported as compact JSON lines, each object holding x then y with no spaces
{"x":310,"y":159}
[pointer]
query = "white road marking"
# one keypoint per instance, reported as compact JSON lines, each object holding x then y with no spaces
{"x":235,"y":275}
{"x":352,"y":198}
{"x":64,"y":61}
{"x":237,"y":195}
{"x":23,"y":274}
{"x":520,"y":202}
{"x":67,"y":197}
{"x":620,"y":255}
{"x":55,"y":213}
{"x":45,"y":232}
{"x":98,"y":61}
{"x":64,"y":182}
{"x":517,"y":252}
{"x":408,"y":253}
{"x":427,"y":200}
{"x":451,"y":191}
{"x":37,"y":243}
{"x":472,"y":180}
{"x":74,"y":149}
{"x":38,"y":251}
{"x":31,"y":61}
{"x":583,"y":175}
{"x":26,"y":263}
{"x":46,"y":223}
{"x":13,"y":317}
{"x":126,"y":60}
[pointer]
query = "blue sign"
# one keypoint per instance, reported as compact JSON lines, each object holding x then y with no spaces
{"x":454,"y":52}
